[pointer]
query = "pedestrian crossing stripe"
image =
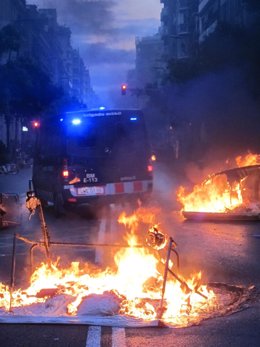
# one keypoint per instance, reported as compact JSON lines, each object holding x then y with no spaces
{"x":97,"y":338}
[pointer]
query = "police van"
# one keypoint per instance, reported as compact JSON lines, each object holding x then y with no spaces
{"x":92,"y":156}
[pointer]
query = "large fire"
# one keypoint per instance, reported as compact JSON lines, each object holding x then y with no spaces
{"x":218,"y":193}
{"x":135,"y":281}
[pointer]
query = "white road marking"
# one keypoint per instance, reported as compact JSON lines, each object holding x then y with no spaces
{"x":94,"y":336}
{"x":118,"y":230}
{"x":110,"y":231}
{"x":102,"y":235}
{"x":118,"y":337}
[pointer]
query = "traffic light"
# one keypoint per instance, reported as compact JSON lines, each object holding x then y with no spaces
{"x":123,"y":89}
{"x":35,"y":124}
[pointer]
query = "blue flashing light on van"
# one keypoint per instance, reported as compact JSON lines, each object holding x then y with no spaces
{"x":76,"y":121}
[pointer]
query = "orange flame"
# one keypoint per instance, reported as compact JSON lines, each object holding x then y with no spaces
{"x":216,"y":193}
{"x":136,"y":280}
{"x":141,"y":215}
{"x":249,"y":159}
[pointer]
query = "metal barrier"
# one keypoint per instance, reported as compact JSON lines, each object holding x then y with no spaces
{"x":155,"y":239}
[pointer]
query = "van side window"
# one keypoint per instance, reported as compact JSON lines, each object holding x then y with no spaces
{"x":50,"y":148}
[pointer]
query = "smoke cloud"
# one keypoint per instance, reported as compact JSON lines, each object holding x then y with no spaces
{"x":81,"y":15}
{"x":104,"y":31}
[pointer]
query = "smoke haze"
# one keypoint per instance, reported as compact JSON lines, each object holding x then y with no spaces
{"x":105,"y":32}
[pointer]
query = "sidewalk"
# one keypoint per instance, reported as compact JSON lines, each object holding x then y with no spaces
{"x":16,"y":183}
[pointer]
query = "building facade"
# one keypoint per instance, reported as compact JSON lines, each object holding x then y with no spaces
{"x":213,"y":12}
{"x":185,"y":24}
{"x":179,"y":28}
{"x":10,"y":11}
{"x":148,"y":60}
{"x":48,"y":45}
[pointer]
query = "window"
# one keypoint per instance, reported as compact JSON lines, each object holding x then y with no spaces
{"x":183,"y":21}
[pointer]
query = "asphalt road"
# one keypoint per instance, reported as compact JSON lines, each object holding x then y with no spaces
{"x":224,"y":252}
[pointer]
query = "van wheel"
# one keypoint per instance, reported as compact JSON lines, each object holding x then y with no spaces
{"x":58,"y":205}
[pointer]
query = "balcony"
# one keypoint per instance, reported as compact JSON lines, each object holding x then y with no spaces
{"x":183,"y":4}
{"x":164,"y":14}
{"x":204,"y":3}
{"x":209,"y":30}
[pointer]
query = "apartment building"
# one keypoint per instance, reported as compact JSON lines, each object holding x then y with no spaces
{"x":179,"y":28}
{"x":213,"y":12}
{"x":148,"y":60}
{"x":46,"y":43}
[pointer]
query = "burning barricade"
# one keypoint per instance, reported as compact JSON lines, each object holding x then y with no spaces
{"x":143,"y":287}
{"x":232,"y":194}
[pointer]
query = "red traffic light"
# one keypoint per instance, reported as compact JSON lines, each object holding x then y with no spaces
{"x":123,"y":89}
{"x":35,"y":124}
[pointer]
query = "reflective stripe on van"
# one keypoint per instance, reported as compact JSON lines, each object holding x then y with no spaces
{"x":112,"y":188}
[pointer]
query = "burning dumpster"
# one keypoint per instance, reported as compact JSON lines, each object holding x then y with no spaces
{"x":232,"y":194}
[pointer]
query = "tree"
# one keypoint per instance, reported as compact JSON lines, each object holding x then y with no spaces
{"x":9,"y":41}
{"x":26,"y":92}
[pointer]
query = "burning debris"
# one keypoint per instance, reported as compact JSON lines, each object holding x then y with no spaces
{"x":228,"y":194}
{"x":155,"y":238}
{"x":144,"y":286}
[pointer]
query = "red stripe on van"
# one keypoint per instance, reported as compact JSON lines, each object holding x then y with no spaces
{"x":119,"y":188}
{"x":138,"y":186}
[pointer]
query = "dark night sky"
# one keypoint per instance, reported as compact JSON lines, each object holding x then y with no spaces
{"x":105,"y":32}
